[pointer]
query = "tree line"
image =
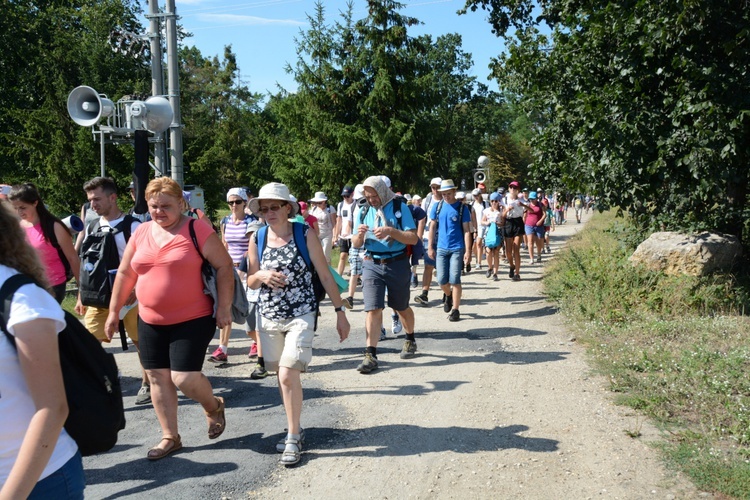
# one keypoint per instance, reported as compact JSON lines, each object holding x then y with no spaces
{"x":371,"y":99}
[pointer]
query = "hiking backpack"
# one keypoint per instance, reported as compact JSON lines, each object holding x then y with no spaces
{"x":92,"y":385}
{"x":301,"y":243}
{"x":440,"y":206}
{"x":99,"y":256}
{"x":397,"y":202}
{"x":50,"y":231}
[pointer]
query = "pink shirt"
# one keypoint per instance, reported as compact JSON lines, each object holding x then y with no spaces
{"x":170,"y":288}
{"x":533,"y":214}
{"x":48,"y":254}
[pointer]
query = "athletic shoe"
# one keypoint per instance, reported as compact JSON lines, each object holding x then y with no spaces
{"x":422,"y":298}
{"x":489,"y":272}
{"x":548,"y":249}
{"x":448,"y":303}
{"x":259,"y":372}
{"x":414,"y":282}
{"x":253,"y":350}
{"x":349,"y":303}
{"x":382,"y":333}
{"x":516,"y":277}
{"x":369,"y":364}
{"x":511,"y":272}
{"x":282,"y":442}
{"x":396,"y":327}
{"x":495,"y":278}
{"x":539,"y":259}
{"x":531,"y":262}
{"x":219,"y":356}
{"x":409,"y":350}
{"x":454,"y":315}
{"x":468,"y":268}
{"x":144,"y":395}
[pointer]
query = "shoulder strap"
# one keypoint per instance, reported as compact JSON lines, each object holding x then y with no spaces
{"x":363,"y":213}
{"x":194,"y":238}
{"x":53,"y":241}
{"x":125,"y":226}
{"x":298,"y":230}
{"x":6,"y":297}
{"x":261,"y":242}
{"x":397,"y":212}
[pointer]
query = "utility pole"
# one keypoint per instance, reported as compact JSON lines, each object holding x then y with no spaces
{"x":157,"y":81}
{"x":173,"y":77}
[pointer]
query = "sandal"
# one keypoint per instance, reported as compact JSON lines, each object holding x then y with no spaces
{"x":292,"y":451}
{"x":156,"y":453}
{"x":217,"y":428}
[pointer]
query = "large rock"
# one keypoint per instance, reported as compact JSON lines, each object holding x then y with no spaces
{"x":694,"y":255}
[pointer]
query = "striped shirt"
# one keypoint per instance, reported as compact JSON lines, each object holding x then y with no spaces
{"x":234,"y":235}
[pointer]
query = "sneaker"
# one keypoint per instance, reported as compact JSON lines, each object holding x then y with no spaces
{"x":218,"y":356}
{"x":359,"y":281}
{"x":548,"y":249}
{"x":369,"y":364}
{"x":495,"y":278}
{"x":468,"y":268}
{"x":396,"y":327}
{"x":253,"y":351}
{"x":454,"y":315}
{"x":516,"y":277}
{"x":448,"y":303}
{"x":409,"y":350}
{"x":259,"y":372}
{"x":144,"y":395}
{"x":489,"y":272}
{"x":414,"y":282}
{"x":539,"y":259}
{"x":511,"y":272}
{"x":282,"y":442}
{"x":349,"y":303}
{"x":422,"y":298}
{"x":382,"y":333}
{"x":531,"y":262}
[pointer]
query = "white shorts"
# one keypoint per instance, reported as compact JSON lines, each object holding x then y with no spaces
{"x":287,"y":343}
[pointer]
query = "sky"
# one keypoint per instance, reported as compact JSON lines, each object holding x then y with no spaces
{"x":262,"y":32}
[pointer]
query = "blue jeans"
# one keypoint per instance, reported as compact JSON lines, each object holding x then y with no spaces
{"x":66,"y":483}
{"x":449,"y":265}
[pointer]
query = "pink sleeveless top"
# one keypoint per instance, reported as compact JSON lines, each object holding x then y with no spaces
{"x":48,"y":254}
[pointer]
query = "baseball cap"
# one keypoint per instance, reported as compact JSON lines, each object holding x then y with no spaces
{"x":476,"y":192}
{"x":347,"y":191}
{"x":514,"y":184}
{"x":532,"y":195}
{"x":494,"y":196}
{"x":436,"y":181}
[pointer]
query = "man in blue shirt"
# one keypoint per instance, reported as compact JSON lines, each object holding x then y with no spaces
{"x":450,"y":225}
{"x":385,"y":230}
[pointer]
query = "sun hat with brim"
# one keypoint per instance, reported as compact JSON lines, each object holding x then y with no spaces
{"x":319,"y":196}
{"x":273,"y":191}
{"x":447,"y":185}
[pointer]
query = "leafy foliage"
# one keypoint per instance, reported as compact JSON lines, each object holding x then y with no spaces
{"x":643,"y":103}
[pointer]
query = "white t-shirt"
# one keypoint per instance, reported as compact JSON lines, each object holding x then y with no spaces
{"x":346,"y":212}
{"x":516,"y":207}
{"x":492,"y":216}
{"x":16,"y":406}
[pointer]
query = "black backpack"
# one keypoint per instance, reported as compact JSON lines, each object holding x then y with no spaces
{"x":92,"y":386}
{"x":99,"y":255}
{"x":50,"y":231}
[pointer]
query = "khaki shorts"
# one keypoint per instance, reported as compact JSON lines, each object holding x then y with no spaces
{"x":287,"y":343}
{"x":96,"y":317}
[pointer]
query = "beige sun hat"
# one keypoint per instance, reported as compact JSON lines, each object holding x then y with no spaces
{"x":274,"y":191}
{"x":319,"y":196}
{"x":447,"y":185}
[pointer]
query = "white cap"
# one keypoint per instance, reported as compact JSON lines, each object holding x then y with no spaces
{"x":359,"y":191}
{"x":436,"y":181}
{"x":460,"y":195}
{"x":387,"y":181}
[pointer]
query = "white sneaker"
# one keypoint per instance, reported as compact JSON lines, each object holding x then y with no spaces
{"x":396,"y":327}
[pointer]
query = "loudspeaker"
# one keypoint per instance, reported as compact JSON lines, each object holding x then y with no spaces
{"x":74,"y":223}
{"x":483,"y":161}
{"x":480,"y":176}
{"x":155,"y":114}
{"x":86,"y":107}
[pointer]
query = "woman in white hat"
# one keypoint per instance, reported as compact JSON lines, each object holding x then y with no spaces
{"x":288,"y":306}
{"x":326,"y":222}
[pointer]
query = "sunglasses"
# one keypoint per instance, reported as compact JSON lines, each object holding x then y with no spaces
{"x":236,"y":202}
{"x":271,"y":208}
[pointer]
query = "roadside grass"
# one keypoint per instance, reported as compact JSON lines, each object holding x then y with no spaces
{"x":673,"y":347}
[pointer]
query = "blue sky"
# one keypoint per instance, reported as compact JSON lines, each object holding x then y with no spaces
{"x":262,"y":32}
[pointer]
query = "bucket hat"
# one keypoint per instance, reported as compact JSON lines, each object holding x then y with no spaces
{"x":274,"y":191}
{"x":319,"y":196}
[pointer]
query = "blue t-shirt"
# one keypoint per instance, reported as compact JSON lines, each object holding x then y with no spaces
{"x":450,"y":231}
{"x":383,"y":249}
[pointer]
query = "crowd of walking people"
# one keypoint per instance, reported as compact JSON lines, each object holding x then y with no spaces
{"x":281,"y":248}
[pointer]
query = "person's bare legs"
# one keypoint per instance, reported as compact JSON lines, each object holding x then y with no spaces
{"x":373,"y":322}
{"x":290,"y":386}
{"x":164,"y":399}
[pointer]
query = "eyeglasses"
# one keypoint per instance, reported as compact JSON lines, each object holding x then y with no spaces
{"x":236,"y":202}
{"x":272,"y":208}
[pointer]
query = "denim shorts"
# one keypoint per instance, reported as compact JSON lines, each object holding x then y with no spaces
{"x":288,"y":342}
{"x":537,"y":231}
{"x":393,"y":276}
{"x":427,"y":260}
{"x":449,"y":266}
{"x":66,"y":483}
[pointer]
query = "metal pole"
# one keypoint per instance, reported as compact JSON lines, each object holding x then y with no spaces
{"x":101,"y":151}
{"x":175,"y":131}
{"x":157,"y":80}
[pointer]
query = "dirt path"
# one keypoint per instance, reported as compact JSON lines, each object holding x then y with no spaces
{"x":499,"y":405}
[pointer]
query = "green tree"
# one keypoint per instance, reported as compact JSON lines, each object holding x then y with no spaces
{"x":643,"y":103}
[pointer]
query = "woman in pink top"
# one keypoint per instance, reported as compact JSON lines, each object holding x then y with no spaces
{"x":175,"y":322}
{"x":43,"y":230}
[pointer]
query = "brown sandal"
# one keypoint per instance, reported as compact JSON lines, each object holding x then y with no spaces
{"x":159,"y":453}
{"x":217,"y":428}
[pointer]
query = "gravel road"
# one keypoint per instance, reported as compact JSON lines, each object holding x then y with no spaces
{"x":501,"y":404}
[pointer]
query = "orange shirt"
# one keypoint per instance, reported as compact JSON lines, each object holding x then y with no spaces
{"x":170,"y":287}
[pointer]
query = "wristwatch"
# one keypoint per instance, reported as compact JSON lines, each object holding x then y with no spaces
{"x":340,"y":308}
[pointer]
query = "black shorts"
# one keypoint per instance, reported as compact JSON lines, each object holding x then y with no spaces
{"x":180,"y":347}
{"x":514,"y":227}
{"x":344,"y":245}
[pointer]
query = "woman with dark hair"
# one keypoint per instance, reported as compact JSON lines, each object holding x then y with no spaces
{"x":39,"y":459}
{"x":48,"y":235}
